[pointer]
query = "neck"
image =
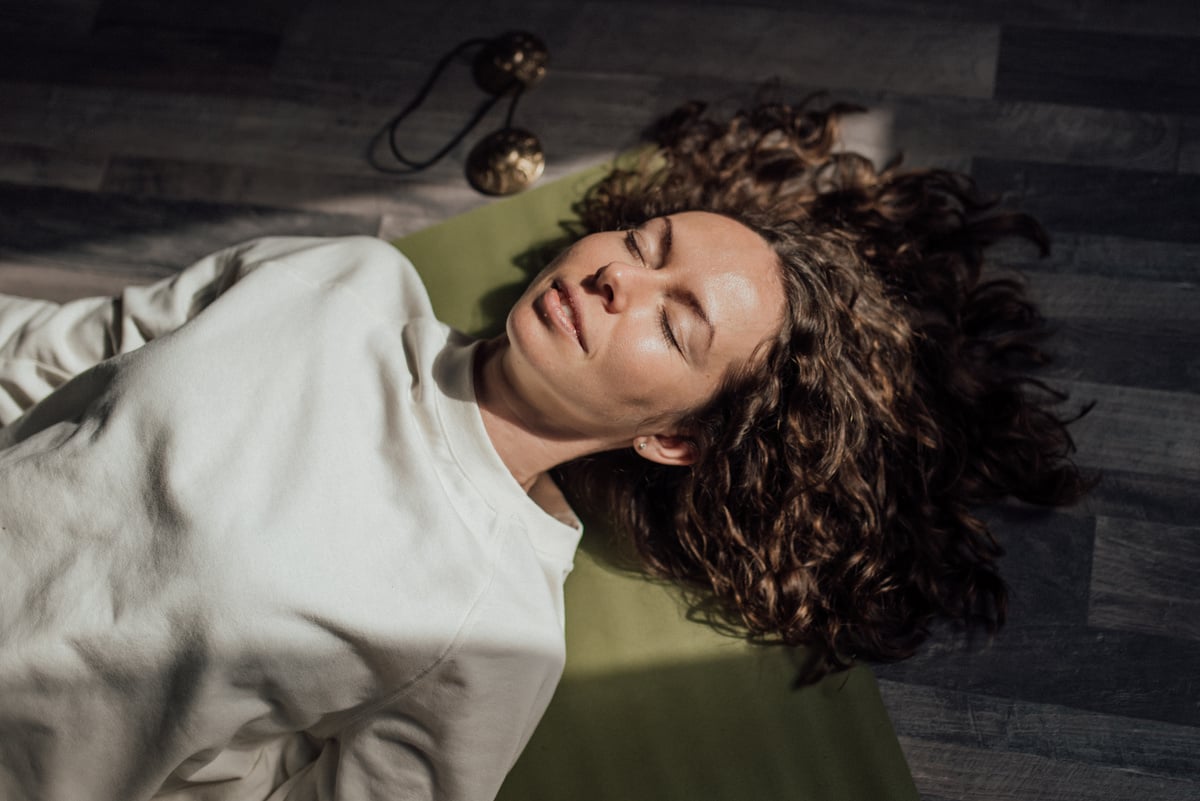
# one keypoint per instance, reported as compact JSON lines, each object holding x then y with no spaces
{"x":525,"y":444}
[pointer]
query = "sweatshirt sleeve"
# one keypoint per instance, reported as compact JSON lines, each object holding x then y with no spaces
{"x":45,"y":344}
{"x":455,"y":739}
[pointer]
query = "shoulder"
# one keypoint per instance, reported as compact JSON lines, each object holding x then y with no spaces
{"x":376,"y":272}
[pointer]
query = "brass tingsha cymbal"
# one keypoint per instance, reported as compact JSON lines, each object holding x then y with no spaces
{"x":505,"y":162}
{"x":516,"y":58}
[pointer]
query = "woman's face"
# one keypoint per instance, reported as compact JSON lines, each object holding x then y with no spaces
{"x":626,"y":331}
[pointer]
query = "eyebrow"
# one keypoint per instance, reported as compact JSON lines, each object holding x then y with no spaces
{"x":665,"y":243}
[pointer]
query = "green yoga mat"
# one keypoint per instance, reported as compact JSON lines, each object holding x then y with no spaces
{"x":653,"y":707}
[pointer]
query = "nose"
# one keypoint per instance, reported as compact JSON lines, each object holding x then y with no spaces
{"x":618,"y":285}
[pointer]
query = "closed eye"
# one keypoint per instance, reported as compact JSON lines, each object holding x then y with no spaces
{"x":667,"y":332}
{"x":631,"y":244}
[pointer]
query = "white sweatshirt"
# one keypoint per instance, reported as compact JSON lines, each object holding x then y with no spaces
{"x":270,"y":554}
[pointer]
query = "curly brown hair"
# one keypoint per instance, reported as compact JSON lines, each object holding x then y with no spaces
{"x":831,"y":504}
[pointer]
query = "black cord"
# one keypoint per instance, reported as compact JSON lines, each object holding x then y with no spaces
{"x":389,"y":130}
{"x":512,"y":107}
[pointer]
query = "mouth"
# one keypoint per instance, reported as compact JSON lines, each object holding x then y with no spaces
{"x":563,"y":312}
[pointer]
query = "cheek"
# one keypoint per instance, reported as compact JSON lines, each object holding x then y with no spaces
{"x":647,"y":374}
{"x":641,"y":350}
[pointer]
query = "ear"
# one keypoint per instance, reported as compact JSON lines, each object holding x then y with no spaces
{"x":667,"y":449}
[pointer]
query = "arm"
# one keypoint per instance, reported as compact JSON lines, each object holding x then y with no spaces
{"x":44,"y":344}
{"x":452,"y":737}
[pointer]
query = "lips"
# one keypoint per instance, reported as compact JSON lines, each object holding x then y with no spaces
{"x":563,"y":312}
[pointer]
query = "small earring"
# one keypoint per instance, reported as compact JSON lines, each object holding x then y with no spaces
{"x":642,"y":445}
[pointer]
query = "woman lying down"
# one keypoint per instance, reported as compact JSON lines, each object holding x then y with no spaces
{"x":270,"y":530}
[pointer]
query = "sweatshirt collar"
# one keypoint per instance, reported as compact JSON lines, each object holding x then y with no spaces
{"x":477,"y":458}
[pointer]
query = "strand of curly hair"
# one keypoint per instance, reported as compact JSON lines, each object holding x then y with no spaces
{"x":832,"y":502}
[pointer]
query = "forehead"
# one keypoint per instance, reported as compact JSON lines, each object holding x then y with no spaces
{"x":736,"y":274}
{"x":714,"y":242}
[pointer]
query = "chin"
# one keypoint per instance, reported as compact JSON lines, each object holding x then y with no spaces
{"x":528,"y":338}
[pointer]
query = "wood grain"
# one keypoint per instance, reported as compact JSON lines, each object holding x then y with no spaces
{"x":1189,"y":145}
{"x":928,"y":129}
{"x":1133,"y":203}
{"x":98,"y":231}
{"x":1166,"y":17}
{"x":1154,"y":73}
{"x":1144,"y":578}
{"x":1046,"y":576}
{"x":970,"y":774}
{"x":835,"y":50}
{"x":39,"y":166}
{"x":1080,"y":737}
{"x":1168,"y":499}
{"x":1107,"y":255}
{"x":1108,"y":672}
{"x":1077,"y":298}
{"x":1138,"y":430}
{"x":1102,"y":336}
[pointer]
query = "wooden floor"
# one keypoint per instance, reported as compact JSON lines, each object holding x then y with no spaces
{"x":136,"y":135}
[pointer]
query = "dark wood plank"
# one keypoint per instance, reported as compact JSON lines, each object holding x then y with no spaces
{"x":421,"y":200}
{"x":1127,"y":353}
{"x":1133,"y":203}
{"x":43,"y":166}
{"x":1173,"y":305}
{"x":64,"y":277}
{"x":1153,"y":73}
{"x":118,"y":121}
{"x":422,"y":31}
{"x":1159,"y":498}
{"x":266,"y":131}
{"x":928,"y":129}
{"x":271,"y":17}
{"x":958,"y":773}
{"x":224,"y":45}
{"x":1076,"y":737}
{"x":1047,"y":563}
{"x":388,"y":79}
{"x":930,"y":57}
{"x":1121,"y":673}
{"x":585,"y":116}
{"x":1048,"y":654}
{"x":1144,"y":578}
{"x":1189,"y":145}
{"x":46,"y":20}
{"x":110,"y":231}
{"x":580,"y":111}
{"x":181,"y":58}
{"x":1108,"y":255}
{"x":1125,"y":332}
{"x":944,"y":130}
{"x":931,"y":128}
{"x":1138,"y":430}
{"x":1167,"y":17}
